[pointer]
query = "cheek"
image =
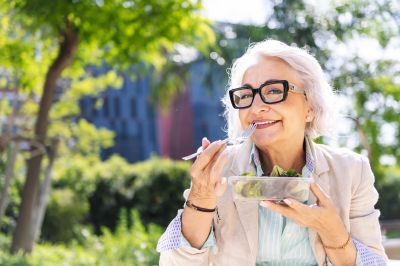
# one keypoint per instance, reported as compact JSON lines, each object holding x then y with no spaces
{"x":295,"y":110}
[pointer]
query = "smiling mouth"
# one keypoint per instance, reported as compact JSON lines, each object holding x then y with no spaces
{"x":266,"y":123}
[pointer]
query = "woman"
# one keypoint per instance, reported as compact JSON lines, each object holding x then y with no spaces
{"x":283,"y":90}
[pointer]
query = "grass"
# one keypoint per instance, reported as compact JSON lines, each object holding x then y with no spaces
{"x":393,"y":234}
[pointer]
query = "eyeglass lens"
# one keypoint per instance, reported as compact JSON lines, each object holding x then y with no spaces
{"x":269,"y":94}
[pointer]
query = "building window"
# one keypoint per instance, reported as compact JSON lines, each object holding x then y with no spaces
{"x":93,"y":107}
{"x":138,"y":84}
{"x":124,"y":130}
{"x":106,"y":107}
{"x":150,"y":112}
{"x":117,"y":106}
{"x":133,"y":106}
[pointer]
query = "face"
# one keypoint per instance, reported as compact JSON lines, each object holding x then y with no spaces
{"x":286,"y":120}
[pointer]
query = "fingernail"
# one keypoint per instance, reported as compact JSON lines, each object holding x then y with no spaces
{"x":288,"y":201}
{"x":265,"y":204}
{"x":223,"y":181}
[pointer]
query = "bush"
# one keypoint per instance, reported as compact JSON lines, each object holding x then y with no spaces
{"x":153,"y":187}
{"x":64,"y":215}
{"x":114,"y":190}
{"x":389,"y":198}
{"x":159,"y":189}
{"x":131,"y":244}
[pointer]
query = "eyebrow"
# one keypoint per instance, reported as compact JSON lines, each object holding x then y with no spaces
{"x":268,"y":80}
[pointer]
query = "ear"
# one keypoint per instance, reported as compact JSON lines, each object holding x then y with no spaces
{"x":310,"y":115}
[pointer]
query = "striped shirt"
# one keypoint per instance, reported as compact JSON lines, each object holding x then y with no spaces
{"x":280,"y":240}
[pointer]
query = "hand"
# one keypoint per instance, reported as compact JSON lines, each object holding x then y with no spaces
{"x":321,"y":217}
{"x":207,"y":184}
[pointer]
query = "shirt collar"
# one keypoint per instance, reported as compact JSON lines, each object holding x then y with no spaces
{"x":306,"y":171}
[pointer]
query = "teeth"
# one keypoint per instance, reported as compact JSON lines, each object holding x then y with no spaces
{"x":265,"y":123}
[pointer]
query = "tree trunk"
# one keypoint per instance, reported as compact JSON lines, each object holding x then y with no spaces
{"x":44,"y":191}
{"x":23,"y":238}
{"x":13,"y":151}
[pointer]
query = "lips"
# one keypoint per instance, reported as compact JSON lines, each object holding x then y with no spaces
{"x":265,"y":123}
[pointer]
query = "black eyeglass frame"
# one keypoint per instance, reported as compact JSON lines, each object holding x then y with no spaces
{"x":287,"y":86}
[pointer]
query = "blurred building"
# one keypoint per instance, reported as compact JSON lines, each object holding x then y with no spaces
{"x":143,"y":129}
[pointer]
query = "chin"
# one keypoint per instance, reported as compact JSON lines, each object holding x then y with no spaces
{"x":262,"y":140}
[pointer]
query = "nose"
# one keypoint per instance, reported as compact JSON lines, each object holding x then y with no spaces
{"x":258,"y":105}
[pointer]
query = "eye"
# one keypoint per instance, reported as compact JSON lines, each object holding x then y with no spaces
{"x":272,"y":90}
{"x":244,"y":96}
{"x":275,"y":91}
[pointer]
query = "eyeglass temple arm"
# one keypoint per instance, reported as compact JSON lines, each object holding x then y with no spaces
{"x":296,"y":89}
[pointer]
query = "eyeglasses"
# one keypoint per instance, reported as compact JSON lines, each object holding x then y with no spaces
{"x":271,"y":92}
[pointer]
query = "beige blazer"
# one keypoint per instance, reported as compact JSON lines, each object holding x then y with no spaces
{"x":344,"y":175}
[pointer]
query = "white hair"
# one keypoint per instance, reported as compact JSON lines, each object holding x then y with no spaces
{"x":319,"y":93}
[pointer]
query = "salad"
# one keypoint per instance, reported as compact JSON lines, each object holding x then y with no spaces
{"x":290,"y":184}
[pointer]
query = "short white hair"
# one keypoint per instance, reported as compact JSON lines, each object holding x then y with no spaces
{"x":319,"y":93}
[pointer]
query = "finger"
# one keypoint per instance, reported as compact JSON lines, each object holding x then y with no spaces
{"x":221,"y":186}
{"x":204,"y":143}
{"x":217,"y":167}
{"x":214,"y":158}
{"x":296,"y":205}
{"x":279,"y":208}
{"x":320,"y":194}
{"x":206,"y":156}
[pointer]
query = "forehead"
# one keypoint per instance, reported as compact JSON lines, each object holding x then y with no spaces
{"x":266,"y":68}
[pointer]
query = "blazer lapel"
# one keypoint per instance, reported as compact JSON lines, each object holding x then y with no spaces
{"x":320,"y":177}
{"x":247,"y":210}
{"x":248,"y":215}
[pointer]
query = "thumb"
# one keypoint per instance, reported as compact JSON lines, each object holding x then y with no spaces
{"x":220,"y":187}
{"x":205,"y":142}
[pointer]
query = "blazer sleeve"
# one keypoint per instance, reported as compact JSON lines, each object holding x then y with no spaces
{"x":183,"y":255}
{"x":364,"y":223}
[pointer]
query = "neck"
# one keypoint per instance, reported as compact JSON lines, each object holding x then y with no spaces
{"x":287,"y":157}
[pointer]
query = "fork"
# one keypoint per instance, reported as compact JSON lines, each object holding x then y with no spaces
{"x":236,"y":141}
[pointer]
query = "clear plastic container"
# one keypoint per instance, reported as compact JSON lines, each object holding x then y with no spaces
{"x":270,"y":188}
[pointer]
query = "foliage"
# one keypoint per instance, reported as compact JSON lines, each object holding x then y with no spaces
{"x":131,"y":244}
{"x":55,"y":34}
{"x":73,"y":172}
{"x":393,"y":234}
{"x":65,"y":213}
{"x":74,"y":181}
{"x":8,"y":222}
{"x":159,"y":186}
{"x":153,"y":187}
{"x":116,"y":33}
{"x":112,"y":191}
{"x":389,"y":192}
{"x":136,"y":245}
